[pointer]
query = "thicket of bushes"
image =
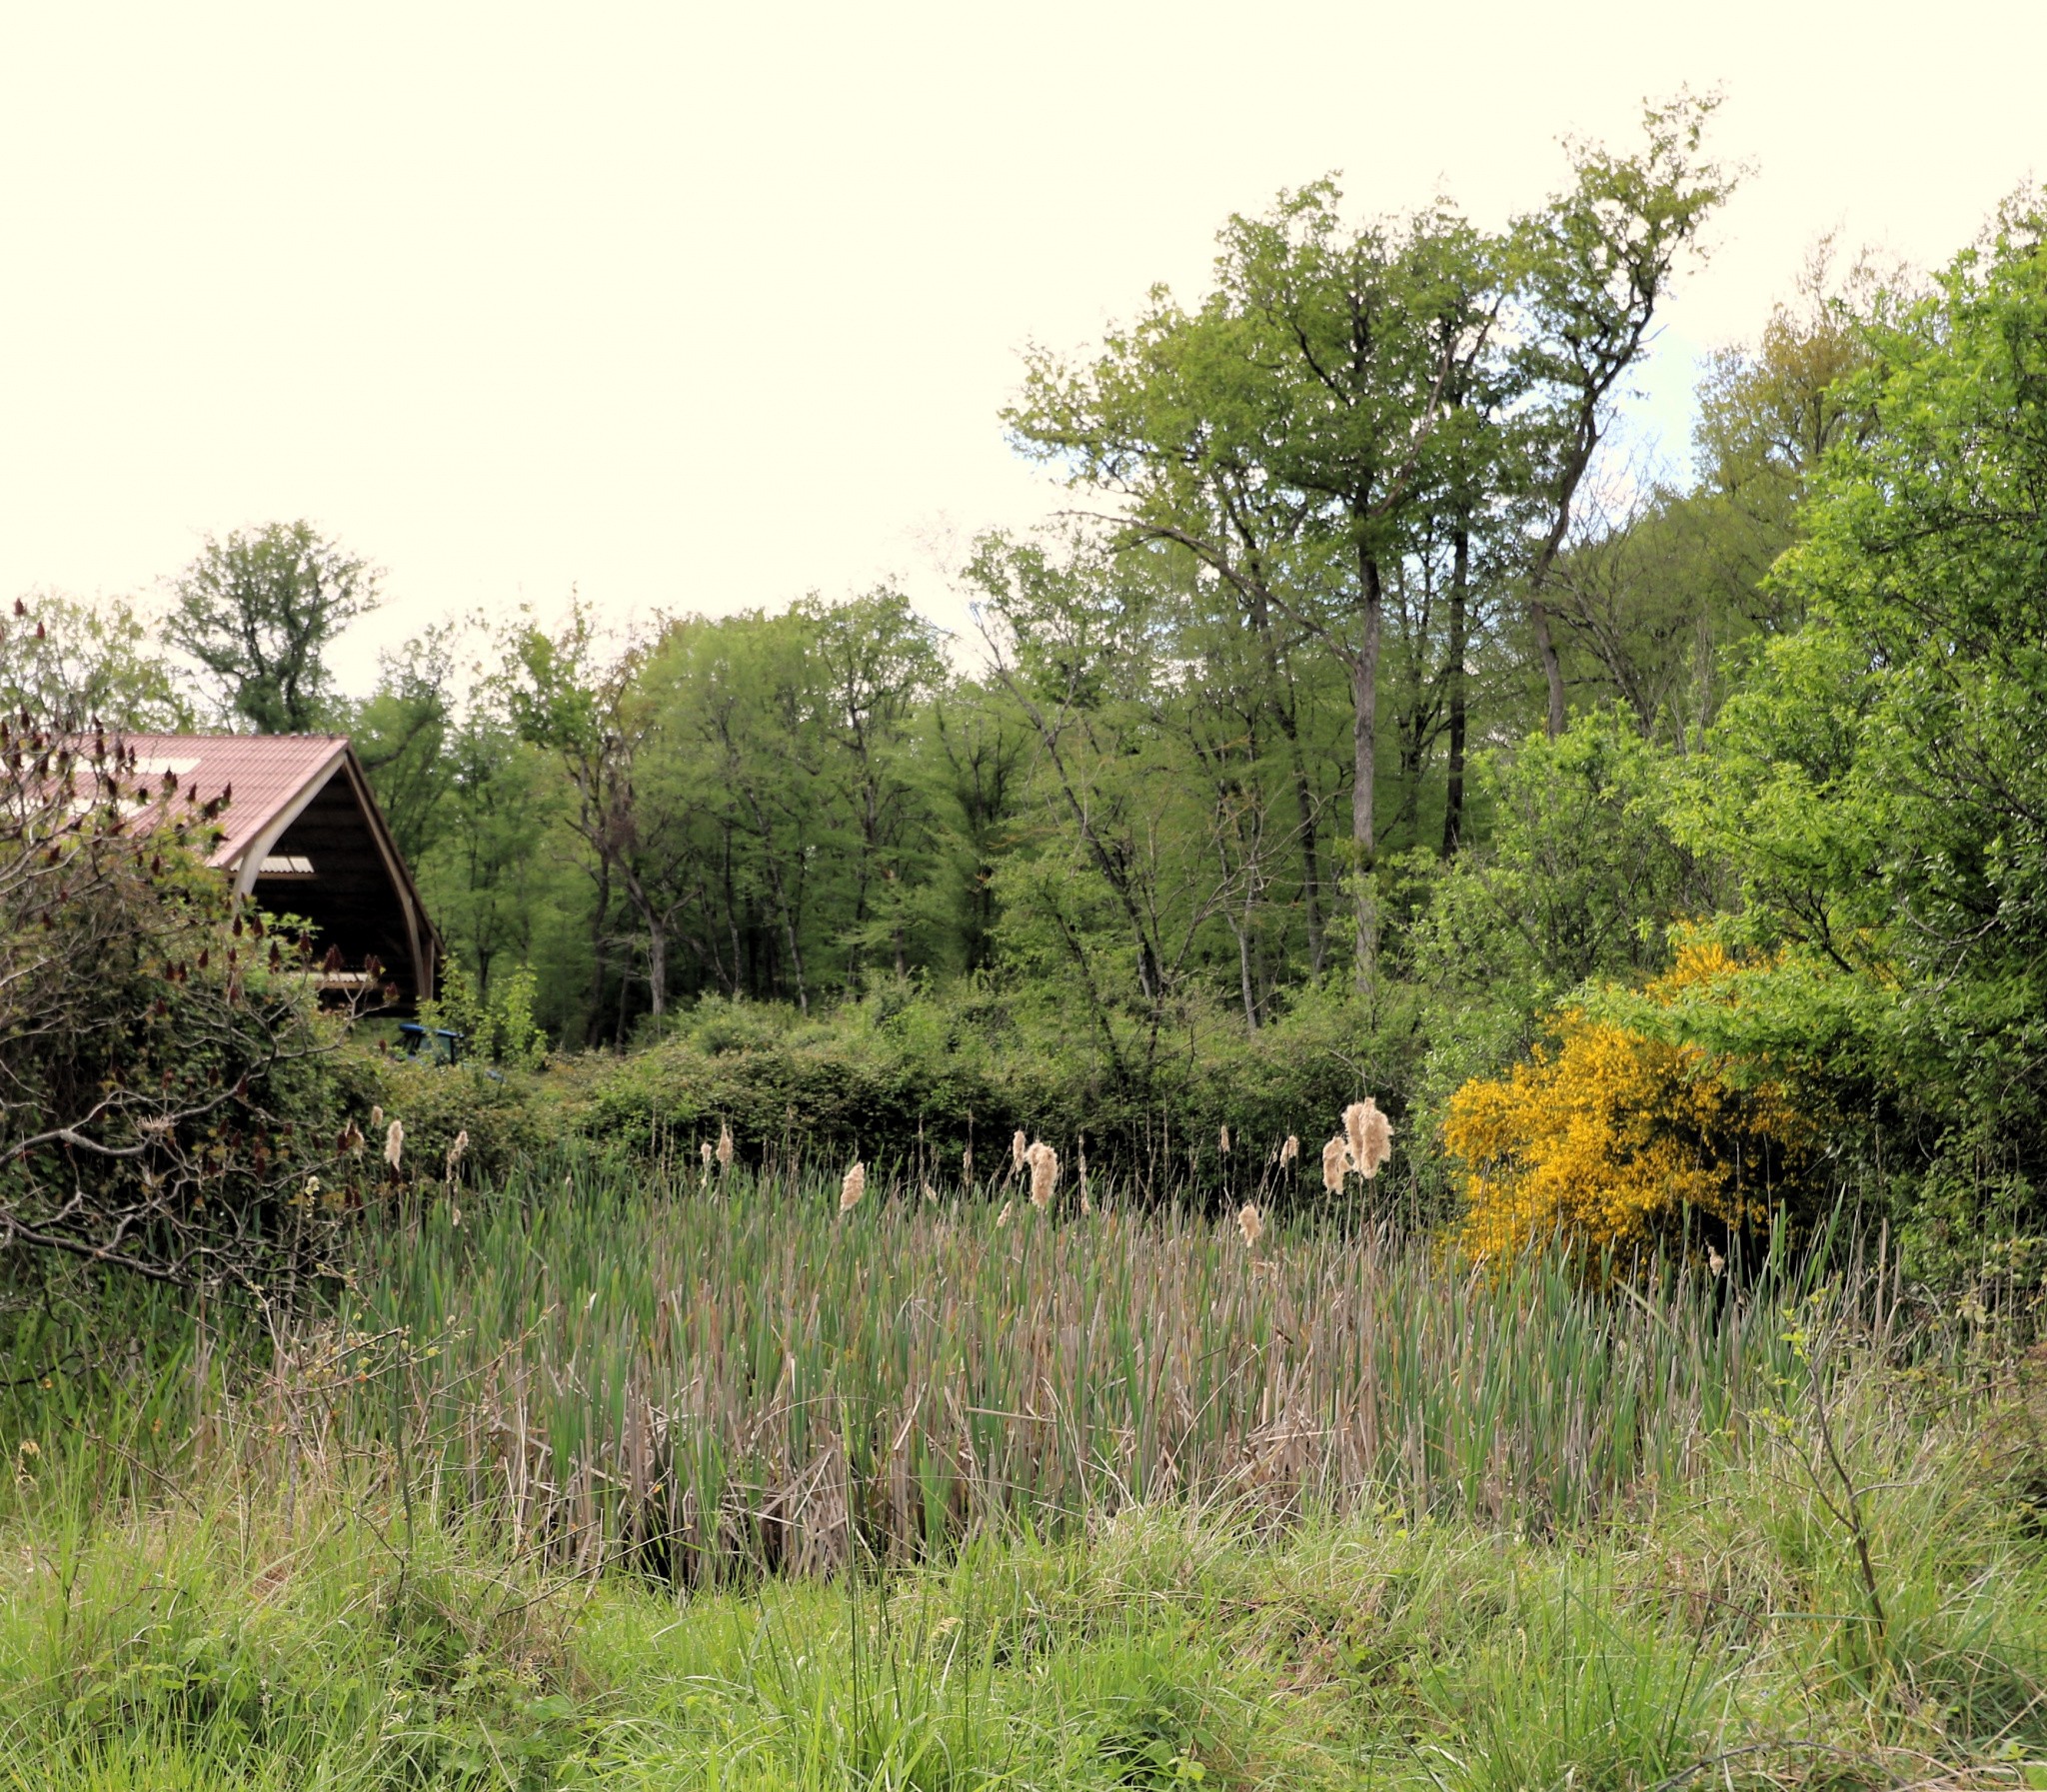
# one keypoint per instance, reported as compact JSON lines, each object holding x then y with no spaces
{"x":915,"y":1077}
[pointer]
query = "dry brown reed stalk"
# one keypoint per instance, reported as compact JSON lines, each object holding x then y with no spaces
{"x":1250,"y":1224}
{"x":1368,"y":1135}
{"x":1045,"y":1173}
{"x":852,"y":1187}
{"x":1335,"y":1162}
{"x":724,"y":1145}
{"x":1019,"y":1152}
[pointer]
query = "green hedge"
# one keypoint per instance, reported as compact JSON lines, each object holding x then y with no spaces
{"x":910,"y":1086}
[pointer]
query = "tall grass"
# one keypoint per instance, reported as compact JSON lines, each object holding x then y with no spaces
{"x":734,"y":1376}
{"x":1322,"y":1511}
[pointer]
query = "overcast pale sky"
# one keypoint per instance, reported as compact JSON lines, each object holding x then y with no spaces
{"x":702,"y":307}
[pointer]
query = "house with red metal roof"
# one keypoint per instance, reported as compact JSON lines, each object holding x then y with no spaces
{"x":303,"y":834}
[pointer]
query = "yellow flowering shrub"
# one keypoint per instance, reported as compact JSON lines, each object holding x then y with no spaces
{"x":1608,"y":1136}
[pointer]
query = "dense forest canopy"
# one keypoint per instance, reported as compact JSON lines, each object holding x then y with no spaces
{"x":1370,"y":688}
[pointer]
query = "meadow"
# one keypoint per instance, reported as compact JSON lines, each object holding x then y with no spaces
{"x":604,"y":1477}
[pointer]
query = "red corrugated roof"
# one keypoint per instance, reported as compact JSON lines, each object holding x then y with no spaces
{"x":267,"y":774}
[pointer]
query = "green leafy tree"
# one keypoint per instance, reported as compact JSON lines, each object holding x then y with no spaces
{"x":1880,"y":783}
{"x":402,"y":732}
{"x":571,"y":696}
{"x":498,"y":873}
{"x":881,"y":661}
{"x":76,"y":664}
{"x":258,"y":609}
{"x":1281,"y":434}
{"x":1594,"y":264}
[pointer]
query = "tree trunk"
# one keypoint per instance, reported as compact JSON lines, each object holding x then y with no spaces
{"x":1279,"y":681}
{"x":1364,"y":702}
{"x":1246,"y":981}
{"x":1552,"y":667}
{"x":1310,"y":878}
{"x":1461,"y":634}
{"x":656,"y":939}
{"x":602,"y":877}
{"x":657,"y":967}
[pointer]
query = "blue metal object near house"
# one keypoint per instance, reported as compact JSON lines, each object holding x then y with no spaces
{"x":436,"y":1044}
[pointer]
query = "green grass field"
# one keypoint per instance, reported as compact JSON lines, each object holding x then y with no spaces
{"x":629,"y":1487}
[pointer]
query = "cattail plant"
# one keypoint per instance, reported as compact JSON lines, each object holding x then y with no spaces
{"x":456,"y":1149}
{"x":766,"y":1388}
{"x":1019,"y":1152}
{"x":1223,"y":1142}
{"x":1368,"y":1137}
{"x":394,"y":1146}
{"x":1335,"y":1162}
{"x":1371,"y":1133}
{"x":852,"y":1187}
{"x":1045,"y":1173}
{"x":724,"y":1152}
{"x":1289,"y":1153}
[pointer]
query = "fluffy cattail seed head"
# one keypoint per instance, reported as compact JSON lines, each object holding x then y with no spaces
{"x":724,"y":1145}
{"x":376,"y":1118}
{"x":1369,"y":1135}
{"x":1045,"y":1173}
{"x":1003,"y":1218}
{"x":1222,"y":1144}
{"x":1019,"y":1152}
{"x":855,"y":1185}
{"x":457,"y":1151}
{"x":1250,"y":1224}
{"x":1353,"y":1133}
{"x":1335,"y":1162}
{"x":705,"y":1148}
{"x":1289,"y":1153}
{"x":394,"y":1143}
